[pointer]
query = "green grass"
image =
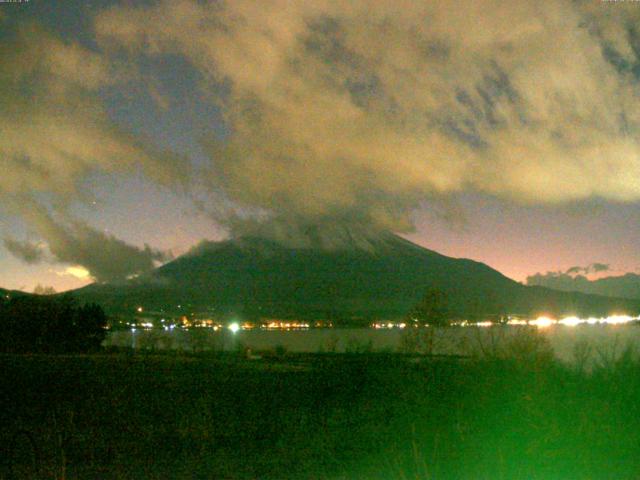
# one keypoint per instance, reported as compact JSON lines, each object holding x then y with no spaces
{"x":358,"y":416}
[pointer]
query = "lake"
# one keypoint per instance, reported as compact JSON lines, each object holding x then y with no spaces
{"x":567,"y":342}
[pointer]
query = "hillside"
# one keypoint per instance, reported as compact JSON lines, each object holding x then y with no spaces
{"x":6,"y":294}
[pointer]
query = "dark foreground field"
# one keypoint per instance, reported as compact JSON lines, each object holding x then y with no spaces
{"x":359,"y":416}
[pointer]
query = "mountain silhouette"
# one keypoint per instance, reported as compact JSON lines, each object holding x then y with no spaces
{"x":381,"y":278}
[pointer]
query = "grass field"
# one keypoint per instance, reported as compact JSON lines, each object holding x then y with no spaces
{"x":358,"y":416}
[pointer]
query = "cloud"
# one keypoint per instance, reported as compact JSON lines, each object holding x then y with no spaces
{"x":28,"y":252}
{"x":599,"y":267}
{"x":337,"y":113}
{"x":55,"y":130}
{"x":573,"y":278}
{"x":356,"y":109}
{"x":591,"y":268}
{"x":54,"y":133}
{"x":75,"y":271}
{"x":103,"y":257}
{"x":570,"y":271}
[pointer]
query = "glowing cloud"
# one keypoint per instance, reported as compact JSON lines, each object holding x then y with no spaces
{"x":362,"y":110}
{"x":78,"y":272}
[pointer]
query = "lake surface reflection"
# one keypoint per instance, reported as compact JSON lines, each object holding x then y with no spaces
{"x":600,"y":341}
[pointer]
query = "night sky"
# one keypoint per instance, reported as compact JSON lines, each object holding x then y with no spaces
{"x":505,"y":132}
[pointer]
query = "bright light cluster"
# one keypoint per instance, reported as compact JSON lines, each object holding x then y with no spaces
{"x":387,"y":325}
{"x":292,"y":325}
{"x":544,"y":322}
{"x":540,"y":322}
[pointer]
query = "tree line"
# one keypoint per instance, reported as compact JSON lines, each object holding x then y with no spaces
{"x":50,"y":324}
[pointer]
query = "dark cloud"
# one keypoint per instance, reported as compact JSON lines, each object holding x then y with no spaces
{"x":591,"y":268}
{"x":104,"y":256}
{"x":599,"y":267}
{"x":571,"y":271}
{"x":26,"y":251}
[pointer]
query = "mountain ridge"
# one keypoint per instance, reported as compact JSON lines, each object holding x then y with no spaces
{"x":625,"y":286}
{"x":253,"y":277}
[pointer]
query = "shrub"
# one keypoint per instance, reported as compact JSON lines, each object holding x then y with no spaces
{"x":417,"y":340}
{"x":525,"y":346}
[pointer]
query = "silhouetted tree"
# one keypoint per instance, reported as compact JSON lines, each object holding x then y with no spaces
{"x":90,"y":327}
{"x":44,"y":290}
{"x":50,"y":324}
{"x":432,"y":308}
